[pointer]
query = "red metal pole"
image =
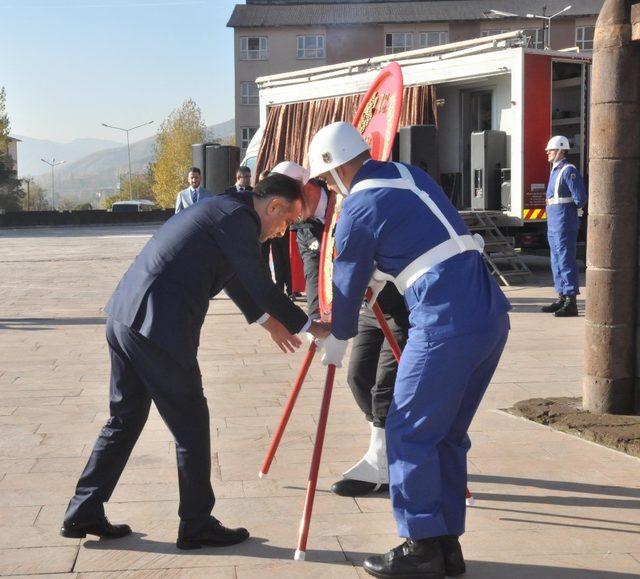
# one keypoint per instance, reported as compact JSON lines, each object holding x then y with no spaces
{"x":386,"y":330}
{"x":315,"y":465}
{"x":288,"y":409}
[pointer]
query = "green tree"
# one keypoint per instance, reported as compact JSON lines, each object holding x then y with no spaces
{"x":10,"y":187}
{"x":36,"y":199}
{"x":141,"y":185}
{"x":183,"y":127}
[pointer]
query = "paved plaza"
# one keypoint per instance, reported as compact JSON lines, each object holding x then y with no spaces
{"x":548,"y":505}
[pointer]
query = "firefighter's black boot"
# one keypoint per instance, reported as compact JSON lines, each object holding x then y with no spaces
{"x":569,"y":309}
{"x":555,"y":306}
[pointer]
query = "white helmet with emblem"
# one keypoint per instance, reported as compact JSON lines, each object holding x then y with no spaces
{"x":293,"y":170}
{"x":334,"y":145}
{"x":558,"y":143}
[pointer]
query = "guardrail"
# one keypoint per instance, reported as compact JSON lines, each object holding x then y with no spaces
{"x":89,"y":217}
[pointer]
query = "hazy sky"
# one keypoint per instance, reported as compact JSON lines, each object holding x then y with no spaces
{"x":69,"y":65}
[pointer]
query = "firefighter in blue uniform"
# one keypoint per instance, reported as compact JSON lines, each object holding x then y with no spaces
{"x":397,"y":221}
{"x":565,"y":196}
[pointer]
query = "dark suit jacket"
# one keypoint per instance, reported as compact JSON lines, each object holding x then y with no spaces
{"x":166,"y":291}
{"x":233,"y":189}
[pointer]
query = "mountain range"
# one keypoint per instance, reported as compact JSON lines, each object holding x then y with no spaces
{"x":92,"y":165}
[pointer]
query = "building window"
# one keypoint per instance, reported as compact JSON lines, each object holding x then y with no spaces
{"x":536,"y":38}
{"x":311,"y":46}
{"x":248,"y":93}
{"x":484,"y":33}
{"x":398,"y":42}
{"x":253,"y":48}
{"x":584,"y":37}
{"x":246,"y":134}
{"x":435,"y":38}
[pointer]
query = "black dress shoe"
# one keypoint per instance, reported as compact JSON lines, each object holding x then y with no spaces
{"x":214,"y":534}
{"x":101,"y":528}
{"x":357,"y":488}
{"x":554,"y":306}
{"x":412,"y":560}
{"x":454,"y":564}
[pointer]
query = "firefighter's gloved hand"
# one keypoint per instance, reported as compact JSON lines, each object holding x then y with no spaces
{"x":376,"y":284}
{"x":334,"y":351}
{"x":580,"y":212}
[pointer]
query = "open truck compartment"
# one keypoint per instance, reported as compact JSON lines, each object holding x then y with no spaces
{"x":497,"y":103}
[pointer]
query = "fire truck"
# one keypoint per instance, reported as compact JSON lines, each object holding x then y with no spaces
{"x":498,"y":101}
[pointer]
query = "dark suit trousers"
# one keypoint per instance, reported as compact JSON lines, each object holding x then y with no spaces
{"x":372,"y":368}
{"x":142,"y":372}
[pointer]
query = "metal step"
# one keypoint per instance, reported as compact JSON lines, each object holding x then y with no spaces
{"x":499,"y":253}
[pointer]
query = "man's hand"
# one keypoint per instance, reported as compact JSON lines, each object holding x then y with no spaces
{"x":285,"y":340}
{"x":319,"y":330}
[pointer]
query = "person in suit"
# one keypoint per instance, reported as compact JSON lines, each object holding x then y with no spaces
{"x":243,"y":180}
{"x":153,"y":331}
{"x":193,"y":193}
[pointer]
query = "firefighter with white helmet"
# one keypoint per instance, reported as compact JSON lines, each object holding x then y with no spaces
{"x":565,"y":195}
{"x":398,"y":222}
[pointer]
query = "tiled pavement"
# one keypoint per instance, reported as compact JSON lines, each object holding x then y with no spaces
{"x":548,"y":505}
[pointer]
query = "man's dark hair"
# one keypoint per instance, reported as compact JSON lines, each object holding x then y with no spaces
{"x":276,"y":185}
{"x":243,"y":170}
{"x":194,"y":170}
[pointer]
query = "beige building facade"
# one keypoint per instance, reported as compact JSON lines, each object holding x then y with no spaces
{"x":278,"y":36}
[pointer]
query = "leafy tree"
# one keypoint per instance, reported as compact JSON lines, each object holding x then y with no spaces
{"x":183,"y":127}
{"x":141,"y":186}
{"x":37,"y":198}
{"x":10,"y":190}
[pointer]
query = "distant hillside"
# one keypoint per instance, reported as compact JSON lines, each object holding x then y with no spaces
{"x":30,"y":151}
{"x":100,"y":170}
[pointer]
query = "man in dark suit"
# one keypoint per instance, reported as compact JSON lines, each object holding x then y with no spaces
{"x":243,"y":181}
{"x":153,"y":331}
{"x":193,"y":193}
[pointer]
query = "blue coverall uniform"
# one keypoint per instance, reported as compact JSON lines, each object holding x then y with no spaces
{"x":458,"y":328}
{"x":565,"y":194}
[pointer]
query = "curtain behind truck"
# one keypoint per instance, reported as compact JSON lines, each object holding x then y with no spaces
{"x":290,"y":127}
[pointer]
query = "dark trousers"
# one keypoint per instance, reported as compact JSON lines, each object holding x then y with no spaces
{"x":309,"y":240}
{"x":372,"y":367}
{"x":141,"y":372}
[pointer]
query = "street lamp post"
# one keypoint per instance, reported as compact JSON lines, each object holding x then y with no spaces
{"x":545,"y":19}
{"x":28,"y":180}
{"x":128,"y":146}
{"x":53,"y":164}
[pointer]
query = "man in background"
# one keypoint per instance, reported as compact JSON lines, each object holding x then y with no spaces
{"x":243,"y":180}
{"x":193,"y":193}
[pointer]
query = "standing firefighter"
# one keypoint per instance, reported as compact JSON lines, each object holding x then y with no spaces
{"x":397,"y":219}
{"x":565,"y":195}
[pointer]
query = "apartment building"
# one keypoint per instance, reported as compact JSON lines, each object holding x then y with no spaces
{"x":273,"y":36}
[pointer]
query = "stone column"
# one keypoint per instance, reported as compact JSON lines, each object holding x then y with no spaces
{"x":612,"y":239}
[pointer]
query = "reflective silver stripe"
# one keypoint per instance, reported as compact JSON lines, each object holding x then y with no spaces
{"x":427,"y":261}
{"x":455,"y":245}
{"x":559,"y":200}
{"x":556,"y":188}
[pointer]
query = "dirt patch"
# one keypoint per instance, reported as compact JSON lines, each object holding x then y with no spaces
{"x":567,"y":415}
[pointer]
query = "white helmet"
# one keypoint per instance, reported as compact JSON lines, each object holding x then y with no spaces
{"x":559,"y":143}
{"x":334,"y":145}
{"x":293,"y":170}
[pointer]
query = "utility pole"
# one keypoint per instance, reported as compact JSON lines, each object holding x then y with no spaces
{"x":53,"y":164}
{"x":611,"y":328}
{"x":28,"y":182}
{"x":128,"y":146}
